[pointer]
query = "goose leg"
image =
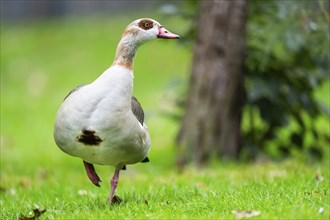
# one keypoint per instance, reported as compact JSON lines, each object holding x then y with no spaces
{"x":92,"y":175}
{"x":114,"y":182}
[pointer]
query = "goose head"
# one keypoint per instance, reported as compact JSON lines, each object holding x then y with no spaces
{"x":144,"y":29}
{"x":135,"y":34}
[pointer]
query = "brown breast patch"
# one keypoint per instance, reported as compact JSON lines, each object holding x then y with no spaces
{"x":146,"y":24}
{"x":88,"y":137}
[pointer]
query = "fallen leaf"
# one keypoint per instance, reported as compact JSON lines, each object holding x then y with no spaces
{"x":25,"y":182}
{"x":201,"y":185}
{"x":319,"y":178}
{"x":245,"y":214}
{"x":276,"y":174}
{"x":82,"y":192}
{"x":36,"y":214}
{"x":12,"y":191}
{"x":116,"y":200}
{"x":42,"y":174}
{"x":321,"y":210}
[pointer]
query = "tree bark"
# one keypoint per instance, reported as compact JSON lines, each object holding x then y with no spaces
{"x":212,"y":121}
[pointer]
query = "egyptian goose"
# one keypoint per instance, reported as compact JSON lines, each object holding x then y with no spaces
{"x":101,"y":122}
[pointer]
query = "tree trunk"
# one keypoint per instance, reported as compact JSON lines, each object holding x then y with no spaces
{"x":212,"y":121}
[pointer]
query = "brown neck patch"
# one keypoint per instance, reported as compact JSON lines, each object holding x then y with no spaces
{"x":128,"y":64}
{"x":146,"y":24}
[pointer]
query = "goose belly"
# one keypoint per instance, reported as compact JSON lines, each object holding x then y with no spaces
{"x":108,"y":153}
{"x":113,"y":146}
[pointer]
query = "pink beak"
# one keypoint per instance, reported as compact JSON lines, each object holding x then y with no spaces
{"x":163,"y":33}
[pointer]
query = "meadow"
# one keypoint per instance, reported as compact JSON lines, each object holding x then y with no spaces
{"x":42,"y":61}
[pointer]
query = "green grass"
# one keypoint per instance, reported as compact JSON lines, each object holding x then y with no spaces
{"x":42,"y":62}
{"x":287,"y":191}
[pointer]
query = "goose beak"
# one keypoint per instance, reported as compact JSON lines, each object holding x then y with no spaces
{"x":163,"y":33}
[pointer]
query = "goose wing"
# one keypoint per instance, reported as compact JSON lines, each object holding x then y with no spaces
{"x":137,"y":110}
{"x":139,"y":114}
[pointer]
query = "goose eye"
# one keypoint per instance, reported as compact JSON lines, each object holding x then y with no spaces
{"x":145,"y":24}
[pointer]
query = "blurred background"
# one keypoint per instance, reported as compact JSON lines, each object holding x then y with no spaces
{"x":50,"y":47}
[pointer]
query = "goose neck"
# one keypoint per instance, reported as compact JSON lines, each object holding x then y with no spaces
{"x":125,"y":53}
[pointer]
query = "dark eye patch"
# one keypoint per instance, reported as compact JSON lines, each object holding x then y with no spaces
{"x":146,"y":24}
